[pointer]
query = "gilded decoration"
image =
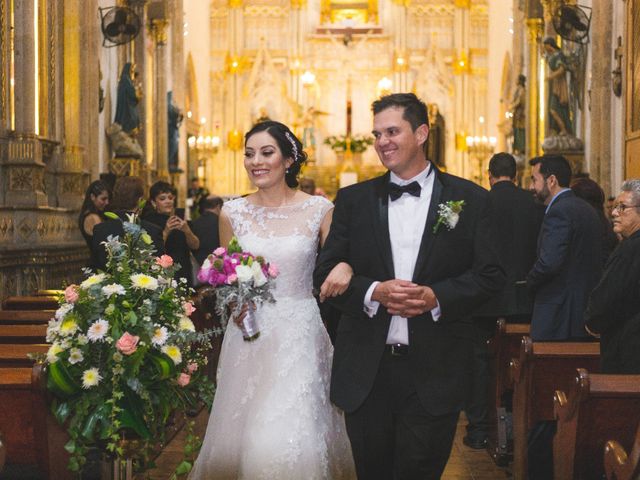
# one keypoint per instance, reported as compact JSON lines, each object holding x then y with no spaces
{"x":431,"y":10}
{"x":22,"y":178}
{"x":72,"y":184}
{"x":466,"y":4}
{"x":25,"y":229}
{"x":6,"y":227}
{"x":158,"y":28}
{"x":268,"y":11}
{"x":298,"y":3}
{"x":3,"y":61}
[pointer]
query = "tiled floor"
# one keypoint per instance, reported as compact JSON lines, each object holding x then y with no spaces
{"x":464,"y":464}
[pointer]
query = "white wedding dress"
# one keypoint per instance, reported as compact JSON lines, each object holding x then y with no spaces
{"x":271,"y":417}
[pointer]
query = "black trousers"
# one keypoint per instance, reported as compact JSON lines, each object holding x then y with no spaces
{"x":392,"y":435}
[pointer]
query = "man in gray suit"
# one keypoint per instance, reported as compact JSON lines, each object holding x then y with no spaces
{"x":568,"y":266}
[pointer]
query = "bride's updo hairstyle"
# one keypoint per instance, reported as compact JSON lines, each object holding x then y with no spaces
{"x":288,"y":144}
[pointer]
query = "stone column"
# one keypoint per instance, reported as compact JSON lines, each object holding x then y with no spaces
{"x":158,"y":27}
{"x":461,"y":69}
{"x":601,"y":95}
{"x":24,"y":167}
{"x":534,"y":129}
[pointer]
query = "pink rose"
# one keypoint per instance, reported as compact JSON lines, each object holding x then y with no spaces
{"x":165,"y":261}
{"x":192,"y":367}
{"x":188,"y":308}
{"x":232,"y":278}
{"x":127,"y":343}
{"x":71,"y":294}
{"x":273,"y":270}
{"x":184,"y":379}
{"x":220,"y":251}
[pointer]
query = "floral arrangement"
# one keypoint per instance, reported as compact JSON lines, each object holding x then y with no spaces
{"x":358,"y":143}
{"x":448,"y":214}
{"x":240,"y":280}
{"x":124,"y":353}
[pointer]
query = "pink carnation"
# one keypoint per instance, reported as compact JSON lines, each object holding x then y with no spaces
{"x":220,"y":251}
{"x":192,"y":367}
{"x":127,"y":343}
{"x":165,"y":261}
{"x":71,"y":294}
{"x":184,"y":379}
{"x":273,"y":270}
{"x":188,"y":308}
{"x":232,"y":278}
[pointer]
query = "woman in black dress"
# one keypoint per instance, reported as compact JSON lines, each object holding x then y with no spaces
{"x":178,"y":238}
{"x":96,"y":200}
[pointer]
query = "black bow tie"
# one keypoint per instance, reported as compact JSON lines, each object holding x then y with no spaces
{"x":395,"y":191}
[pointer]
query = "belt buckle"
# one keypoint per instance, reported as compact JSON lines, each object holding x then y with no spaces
{"x":399,"y":350}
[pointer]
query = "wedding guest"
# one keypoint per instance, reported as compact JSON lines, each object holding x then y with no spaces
{"x":96,"y":199}
{"x":593,"y":194}
{"x":515,"y":220}
{"x":205,"y":227}
{"x":613,"y":312}
{"x":178,"y":238}
{"x":127,"y":194}
{"x":195,"y":193}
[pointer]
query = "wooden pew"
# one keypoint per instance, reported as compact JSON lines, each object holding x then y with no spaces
{"x":540,"y":370}
{"x":26,"y":317}
{"x":618,"y":465}
{"x":594,"y":409}
{"x":36,"y":302}
{"x":503,"y":347}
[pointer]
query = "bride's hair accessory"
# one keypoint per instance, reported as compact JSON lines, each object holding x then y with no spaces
{"x":293,"y":145}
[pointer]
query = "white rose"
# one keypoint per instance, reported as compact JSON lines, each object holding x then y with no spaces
{"x":453,"y":220}
{"x":244,"y":273}
{"x":258,"y":277}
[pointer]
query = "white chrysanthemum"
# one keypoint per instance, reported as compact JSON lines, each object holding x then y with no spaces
{"x":63,"y":310}
{"x":75,"y":356}
{"x":173,"y":353}
{"x":91,"y":378}
{"x":140,"y":280}
{"x":113,"y":289}
{"x":82,"y":339}
{"x":68,"y":327}
{"x":53,"y":330}
{"x":453,"y":220}
{"x":93,"y":280}
{"x":98,"y":330}
{"x":206,"y":265}
{"x":160,"y":336}
{"x":186,"y":324}
{"x":52,"y":353}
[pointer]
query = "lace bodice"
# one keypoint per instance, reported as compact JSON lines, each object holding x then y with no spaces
{"x":287,"y":236}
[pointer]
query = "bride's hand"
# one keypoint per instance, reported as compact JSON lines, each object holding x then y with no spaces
{"x":337,"y":281}
{"x":240,"y":317}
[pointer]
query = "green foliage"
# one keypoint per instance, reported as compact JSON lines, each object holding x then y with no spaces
{"x":357,"y":143}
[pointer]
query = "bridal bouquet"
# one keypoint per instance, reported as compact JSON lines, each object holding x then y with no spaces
{"x":124,"y":353}
{"x":239,"y":280}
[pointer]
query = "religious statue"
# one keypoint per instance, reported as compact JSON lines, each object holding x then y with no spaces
{"x":558,"y":105}
{"x":518,"y":118}
{"x":435,"y":144}
{"x":127,"y":102}
{"x":123,"y":144}
{"x":174,"y":119}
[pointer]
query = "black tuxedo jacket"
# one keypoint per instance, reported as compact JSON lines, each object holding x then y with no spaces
{"x":460,"y":265}
{"x":568,"y":267}
{"x":114,"y":227}
{"x":515,"y":221}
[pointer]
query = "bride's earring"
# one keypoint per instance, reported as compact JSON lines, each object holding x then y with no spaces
{"x":286,"y":171}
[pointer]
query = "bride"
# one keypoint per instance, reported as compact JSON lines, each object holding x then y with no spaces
{"x":271,"y":416}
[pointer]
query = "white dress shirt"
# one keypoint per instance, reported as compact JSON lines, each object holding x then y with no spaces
{"x":407,"y":219}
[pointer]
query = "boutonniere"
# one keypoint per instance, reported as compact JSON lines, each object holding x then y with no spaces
{"x":448,"y":214}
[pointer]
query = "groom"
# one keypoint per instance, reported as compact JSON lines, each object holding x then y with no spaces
{"x":403,"y":349}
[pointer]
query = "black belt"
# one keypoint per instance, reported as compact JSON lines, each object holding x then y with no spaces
{"x":398,"y":349}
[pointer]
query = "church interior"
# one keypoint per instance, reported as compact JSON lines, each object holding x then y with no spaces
{"x":166,"y":89}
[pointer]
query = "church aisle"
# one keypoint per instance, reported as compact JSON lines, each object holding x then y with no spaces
{"x":464,"y":463}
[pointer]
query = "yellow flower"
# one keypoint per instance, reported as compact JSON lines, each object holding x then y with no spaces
{"x":173,"y":353}
{"x":146,"y":238}
{"x":140,"y":280}
{"x":91,"y":378}
{"x":92,"y":280}
{"x":186,"y":324}
{"x":52,"y":353}
{"x":68,"y":327}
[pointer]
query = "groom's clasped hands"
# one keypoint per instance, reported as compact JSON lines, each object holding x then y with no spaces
{"x":404,"y":298}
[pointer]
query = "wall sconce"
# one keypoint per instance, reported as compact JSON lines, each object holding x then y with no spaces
{"x":308,"y":78}
{"x":384,"y":87}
